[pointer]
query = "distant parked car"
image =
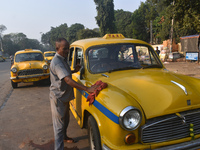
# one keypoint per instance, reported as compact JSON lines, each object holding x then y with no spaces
{"x":28,"y":66}
{"x":175,"y":55}
{"x":2,"y":58}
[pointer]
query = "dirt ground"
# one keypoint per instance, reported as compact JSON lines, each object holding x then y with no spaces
{"x":187,"y":68}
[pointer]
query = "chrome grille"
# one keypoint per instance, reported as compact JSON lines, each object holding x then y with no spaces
{"x":30,"y":72}
{"x":170,"y":127}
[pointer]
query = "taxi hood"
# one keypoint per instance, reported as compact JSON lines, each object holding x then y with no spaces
{"x":158,"y":91}
{"x":30,"y":65}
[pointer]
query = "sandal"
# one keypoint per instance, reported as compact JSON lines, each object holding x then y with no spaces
{"x":69,"y":140}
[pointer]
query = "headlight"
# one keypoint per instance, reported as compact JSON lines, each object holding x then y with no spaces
{"x":14,"y":70}
{"x":130,"y":118}
{"x":45,"y":67}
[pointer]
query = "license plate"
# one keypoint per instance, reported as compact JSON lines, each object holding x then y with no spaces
{"x":31,"y":80}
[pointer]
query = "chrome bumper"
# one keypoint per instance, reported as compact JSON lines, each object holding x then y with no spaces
{"x":194,"y":144}
{"x":33,"y":76}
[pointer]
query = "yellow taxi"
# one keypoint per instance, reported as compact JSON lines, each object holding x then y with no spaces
{"x":144,"y":106}
{"x":28,"y":66}
{"x":48,"y":56}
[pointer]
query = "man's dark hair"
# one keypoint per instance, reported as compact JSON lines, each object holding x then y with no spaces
{"x":58,"y":41}
{"x":61,"y":39}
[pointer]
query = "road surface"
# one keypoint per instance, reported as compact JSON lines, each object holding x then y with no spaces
{"x":25,"y":117}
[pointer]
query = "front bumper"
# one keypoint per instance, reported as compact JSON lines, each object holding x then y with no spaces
{"x":194,"y":144}
{"x":30,"y":76}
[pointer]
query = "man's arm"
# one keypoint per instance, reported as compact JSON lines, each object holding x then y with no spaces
{"x":74,"y":84}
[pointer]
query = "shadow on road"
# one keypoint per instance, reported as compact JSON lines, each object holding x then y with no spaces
{"x":50,"y":145}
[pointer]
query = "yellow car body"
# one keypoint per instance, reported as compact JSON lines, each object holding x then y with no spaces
{"x":145,"y":106}
{"x":28,"y":66}
{"x":48,"y":56}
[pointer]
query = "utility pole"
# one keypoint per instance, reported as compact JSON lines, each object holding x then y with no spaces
{"x":151,"y":41}
{"x":151,"y":33}
{"x":171,"y":31}
{"x":1,"y":43}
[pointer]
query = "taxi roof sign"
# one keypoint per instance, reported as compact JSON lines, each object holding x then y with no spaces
{"x":113,"y":36}
{"x":28,"y":49}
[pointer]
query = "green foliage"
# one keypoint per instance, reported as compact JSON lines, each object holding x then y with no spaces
{"x":87,"y":33}
{"x":140,"y":29}
{"x":18,"y":41}
{"x":69,"y":33}
{"x":123,"y":22}
{"x":72,"y":32}
{"x":105,"y":16}
{"x":185,"y":14}
{"x":187,"y":17}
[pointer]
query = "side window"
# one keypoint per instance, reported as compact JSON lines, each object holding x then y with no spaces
{"x":78,"y":57}
{"x":71,"y":51}
{"x":145,"y":56}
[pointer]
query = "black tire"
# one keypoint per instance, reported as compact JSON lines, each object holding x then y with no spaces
{"x":94,"y":135}
{"x":14,"y":84}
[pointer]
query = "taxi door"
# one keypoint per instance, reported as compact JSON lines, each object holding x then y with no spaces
{"x":76,"y":58}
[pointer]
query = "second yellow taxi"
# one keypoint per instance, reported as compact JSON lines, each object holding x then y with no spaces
{"x":28,"y":66}
{"x":48,"y":56}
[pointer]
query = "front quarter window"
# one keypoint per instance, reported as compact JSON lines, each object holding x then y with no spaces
{"x":147,"y":57}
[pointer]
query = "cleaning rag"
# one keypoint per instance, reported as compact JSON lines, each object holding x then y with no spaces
{"x":91,"y":96}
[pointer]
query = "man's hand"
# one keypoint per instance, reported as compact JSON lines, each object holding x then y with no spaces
{"x":77,"y":68}
{"x":92,"y":88}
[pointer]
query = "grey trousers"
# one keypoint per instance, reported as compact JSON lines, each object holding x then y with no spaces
{"x":60,"y":118}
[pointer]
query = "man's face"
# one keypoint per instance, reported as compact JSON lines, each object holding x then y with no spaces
{"x":63,"y":49}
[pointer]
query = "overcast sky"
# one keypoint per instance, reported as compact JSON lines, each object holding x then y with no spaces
{"x":33,"y":17}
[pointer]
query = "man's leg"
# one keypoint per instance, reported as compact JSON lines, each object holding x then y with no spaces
{"x":58,"y":112}
{"x":66,"y":119}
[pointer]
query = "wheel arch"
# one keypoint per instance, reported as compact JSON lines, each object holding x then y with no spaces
{"x":86,"y":116}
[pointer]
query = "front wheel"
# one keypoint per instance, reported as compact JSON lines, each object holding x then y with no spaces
{"x":94,"y":135}
{"x":14,"y":84}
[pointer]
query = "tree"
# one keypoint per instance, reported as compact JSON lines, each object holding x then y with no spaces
{"x":140,"y":29}
{"x":72,"y":32}
{"x":18,"y":41}
{"x":87,"y":33}
{"x":105,"y":16}
{"x":2,"y":28}
{"x":187,"y":17}
{"x":8,"y":46}
{"x":123,"y":22}
{"x":185,"y":14}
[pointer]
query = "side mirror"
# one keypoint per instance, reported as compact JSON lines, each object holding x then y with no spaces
{"x":82,"y":71}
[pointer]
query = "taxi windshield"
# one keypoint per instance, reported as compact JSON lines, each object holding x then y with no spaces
{"x":49,"y":54}
{"x":114,"y":57}
{"x":29,"y":57}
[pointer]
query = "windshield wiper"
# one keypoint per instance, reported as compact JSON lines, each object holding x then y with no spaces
{"x":124,"y":68}
{"x":152,"y":66}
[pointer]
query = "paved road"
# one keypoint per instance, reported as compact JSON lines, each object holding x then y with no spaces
{"x":25,"y":118}
{"x":5,"y":87}
{"x":187,"y":68}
